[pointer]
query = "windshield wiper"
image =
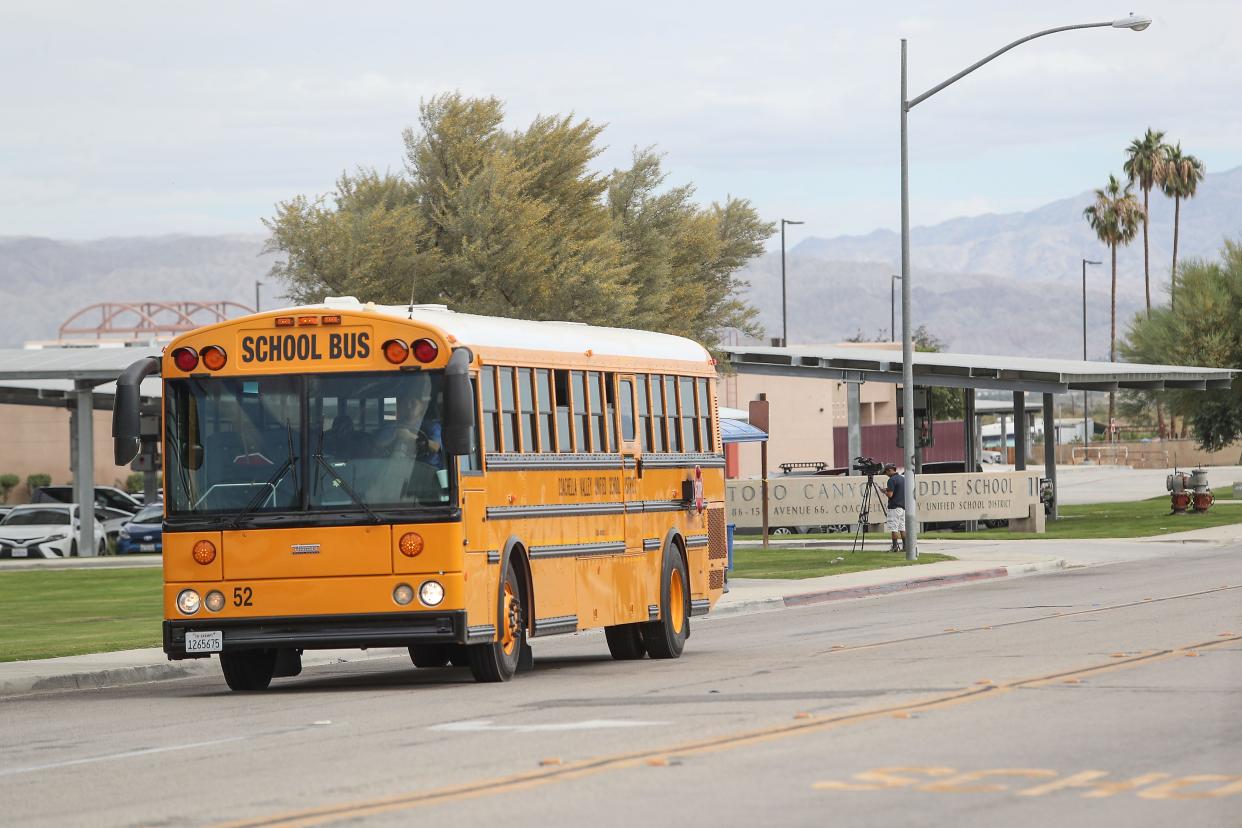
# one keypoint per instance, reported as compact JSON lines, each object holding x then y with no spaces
{"x":272,"y":482}
{"x":349,"y":490}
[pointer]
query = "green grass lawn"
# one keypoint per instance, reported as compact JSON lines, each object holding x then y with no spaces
{"x":1137,"y":519}
{"x":75,"y":611}
{"x":781,"y":562}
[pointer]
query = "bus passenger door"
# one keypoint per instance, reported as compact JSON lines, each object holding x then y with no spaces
{"x":631,"y":574}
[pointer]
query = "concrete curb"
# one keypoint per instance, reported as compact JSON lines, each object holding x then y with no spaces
{"x":809,"y":598}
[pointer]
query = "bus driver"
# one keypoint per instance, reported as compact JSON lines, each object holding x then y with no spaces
{"x":413,"y":435}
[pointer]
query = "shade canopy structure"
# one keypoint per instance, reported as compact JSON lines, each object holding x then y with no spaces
{"x":1002,"y":373}
{"x":739,"y":431}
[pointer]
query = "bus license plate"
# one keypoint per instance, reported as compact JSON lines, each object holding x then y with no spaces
{"x":208,"y":641}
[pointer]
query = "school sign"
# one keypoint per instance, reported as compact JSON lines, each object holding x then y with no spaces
{"x":816,"y":501}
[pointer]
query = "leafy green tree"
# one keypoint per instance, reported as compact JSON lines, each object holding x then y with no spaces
{"x":8,"y":482}
{"x":1144,"y":158}
{"x":37,"y":481}
{"x":1179,"y":178}
{"x":1115,"y":217}
{"x":517,"y":224}
{"x":1202,"y":329}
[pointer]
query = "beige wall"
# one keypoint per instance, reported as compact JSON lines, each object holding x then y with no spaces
{"x":801,"y":418}
{"x":35,"y":439}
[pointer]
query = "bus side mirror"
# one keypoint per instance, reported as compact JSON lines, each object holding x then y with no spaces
{"x":126,"y":422}
{"x":458,"y":426}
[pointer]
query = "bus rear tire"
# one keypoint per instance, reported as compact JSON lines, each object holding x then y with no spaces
{"x":625,"y":642}
{"x":429,"y":655}
{"x":666,"y":638}
{"x":498,"y":660}
{"x":249,"y":669}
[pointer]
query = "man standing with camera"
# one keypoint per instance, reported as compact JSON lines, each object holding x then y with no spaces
{"x":896,"y":521}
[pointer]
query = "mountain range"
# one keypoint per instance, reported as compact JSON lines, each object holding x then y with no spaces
{"x":1007,"y":284}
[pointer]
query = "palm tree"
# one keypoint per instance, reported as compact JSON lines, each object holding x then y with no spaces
{"x":1115,"y":218}
{"x":1143,"y":160}
{"x":1179,"y":176}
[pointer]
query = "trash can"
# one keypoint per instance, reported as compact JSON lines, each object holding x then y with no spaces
{"x":729,"y":535}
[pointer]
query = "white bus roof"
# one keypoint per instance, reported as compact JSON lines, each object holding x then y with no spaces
{"x":502,"y":332}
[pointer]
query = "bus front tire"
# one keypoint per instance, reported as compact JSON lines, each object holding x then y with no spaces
{"x":498,"y":660}
{"x":429,"y":655}
{"x":666,"y":638}
{"x":249,"y":669}
{"x":625,"y":641}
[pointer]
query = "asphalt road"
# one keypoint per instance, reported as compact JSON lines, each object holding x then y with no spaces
{"x":1095,"y":696}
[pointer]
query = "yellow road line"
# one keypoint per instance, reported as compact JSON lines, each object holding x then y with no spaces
{"x":576,"y":770}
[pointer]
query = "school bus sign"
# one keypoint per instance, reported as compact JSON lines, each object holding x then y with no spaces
{"x":815,"y":501}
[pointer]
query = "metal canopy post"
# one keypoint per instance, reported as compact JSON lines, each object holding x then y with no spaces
{"x":853,"y":420}
{"x":1050,"y":450}
{"x":83,"y":464}
{"x":1019,"y":430}
{"x":970,"y":454}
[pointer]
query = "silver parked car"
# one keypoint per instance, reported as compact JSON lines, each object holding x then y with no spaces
{"x":45,"y":530}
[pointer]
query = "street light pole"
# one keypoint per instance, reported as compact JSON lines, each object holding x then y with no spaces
{"x":784,"y":308}
{"x":257,"y":284}
{"x":1133,"y":23}
{"x":1086,"y":436}
{"x":892,"y":307}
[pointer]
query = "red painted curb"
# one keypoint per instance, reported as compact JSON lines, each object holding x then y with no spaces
{"x":808,"y":598}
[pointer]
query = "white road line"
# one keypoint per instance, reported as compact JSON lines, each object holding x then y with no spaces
{"x":486,"y":725}
{"x":129,"y":754}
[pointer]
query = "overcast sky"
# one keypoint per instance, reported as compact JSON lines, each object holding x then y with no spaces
{"x":137,"y":118}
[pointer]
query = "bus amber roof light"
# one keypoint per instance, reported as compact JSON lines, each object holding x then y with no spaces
{"x":411,"y":544}
{"x":330,"y":319}
{"x":396,"y":351}
{"x":186,"y":359}
{"x":425,"y":350}
{"x":284,"y":321}
{"x":204,"y":552}
{"x":308,"y":320}
{"x":214,"y":357}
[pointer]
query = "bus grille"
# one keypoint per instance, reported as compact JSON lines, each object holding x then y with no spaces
{"x":717,"y":540}
{"x":715,"y":579}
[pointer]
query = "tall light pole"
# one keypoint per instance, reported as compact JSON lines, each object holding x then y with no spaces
{"x":784,"y":309}
{"x":257,"y":284}
{"x":892,"y":307}
{"x":1086,"y":436}
{"x":1133,"y":23}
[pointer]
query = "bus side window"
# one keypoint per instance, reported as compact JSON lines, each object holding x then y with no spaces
{"x":491,"y":414}
{"x":705,"y":415}
{"x":689,"y":423}
{"x":526,"y":393}
{"x":564,"y":416}
{"x":598,"y":429}
{"x":581,"y":415}
{"x":644,"y":413}
{"x":657,"y":413}
{"x":626,"y":390}
{"x":547,"y":409}
{"x":671,"y":412}
{"x":508,"y":411}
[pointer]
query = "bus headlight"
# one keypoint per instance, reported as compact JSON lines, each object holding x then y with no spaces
{"x":215,"y":600}
{"x":431,"y":593}
{"x":187,"y":602}
{"x":403,"y":594}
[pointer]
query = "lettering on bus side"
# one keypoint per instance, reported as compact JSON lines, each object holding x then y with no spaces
{"x":303,"y":347}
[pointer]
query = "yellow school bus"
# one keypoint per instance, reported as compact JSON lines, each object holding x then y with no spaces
{"x":354,"y":475}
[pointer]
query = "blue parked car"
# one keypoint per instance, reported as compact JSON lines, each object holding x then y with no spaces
{"x":144,"y":533}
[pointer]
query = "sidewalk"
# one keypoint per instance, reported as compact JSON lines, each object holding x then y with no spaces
{"x":976,"y":561}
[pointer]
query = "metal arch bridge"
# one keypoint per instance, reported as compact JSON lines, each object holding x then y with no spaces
{"x":142,"y":320}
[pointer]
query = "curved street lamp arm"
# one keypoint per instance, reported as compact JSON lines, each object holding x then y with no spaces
{"x":915,"y":101}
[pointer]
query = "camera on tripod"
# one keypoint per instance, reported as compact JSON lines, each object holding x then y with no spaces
{"x":868,"y":466}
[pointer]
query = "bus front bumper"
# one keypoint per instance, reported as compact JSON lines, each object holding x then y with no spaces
{"x":322,"y":632}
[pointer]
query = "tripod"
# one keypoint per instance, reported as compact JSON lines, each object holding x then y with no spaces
{"x":860,"y":533}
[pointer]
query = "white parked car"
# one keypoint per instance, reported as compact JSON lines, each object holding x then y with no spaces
{"x":45,"y":530}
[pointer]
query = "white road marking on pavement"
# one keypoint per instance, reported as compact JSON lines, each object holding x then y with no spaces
{"x":129,"y":754}
{"x":483,"y":725}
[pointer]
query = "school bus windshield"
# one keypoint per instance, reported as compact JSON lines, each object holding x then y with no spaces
{"x":313,"y":443}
